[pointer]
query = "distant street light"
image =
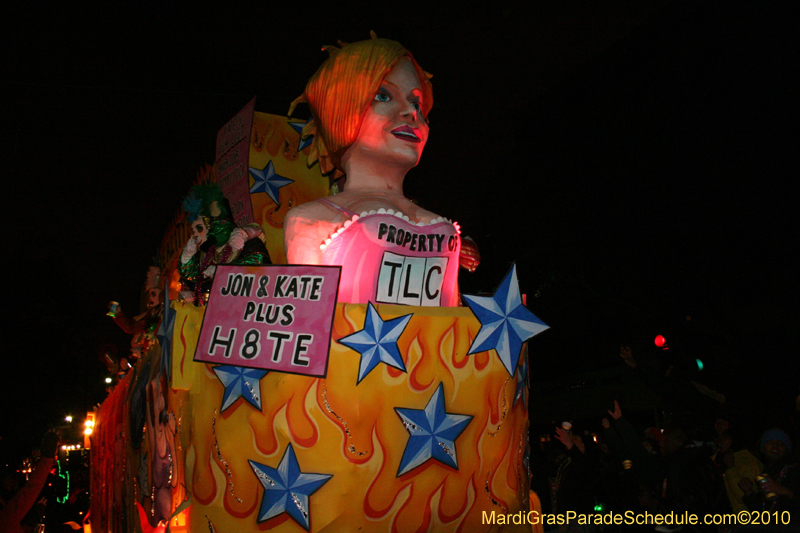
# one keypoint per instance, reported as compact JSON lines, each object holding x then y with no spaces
{"x":89,"y":428}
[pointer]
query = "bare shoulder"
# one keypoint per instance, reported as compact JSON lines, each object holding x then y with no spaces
{"x":309,"y":210}
{"x":371,"y":202}
{"x":313,"y":220}
{"x":422,"y":215}
{"x":305,"y":228}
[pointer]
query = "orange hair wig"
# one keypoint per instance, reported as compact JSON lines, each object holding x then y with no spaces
{"x":341,"y":91}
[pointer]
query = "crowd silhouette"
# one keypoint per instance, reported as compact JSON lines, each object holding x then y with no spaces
{"x":699,"y":458}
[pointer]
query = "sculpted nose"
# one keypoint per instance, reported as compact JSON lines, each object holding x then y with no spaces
{"x":410,"y":111}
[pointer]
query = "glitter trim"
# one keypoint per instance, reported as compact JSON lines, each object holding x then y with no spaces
{"x":351,"y":448}
{"x":447,"y":450}
{"x":505,"y":410}
{"x":253,"y":392}
{"x":299,"y":505}
{"x":265,"y":478}
{"x":221,"y":459}
{"x":489,"y":493}
{"x":411,"y":426}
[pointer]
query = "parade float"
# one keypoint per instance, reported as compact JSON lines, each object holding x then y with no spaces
{"x":346,"y":386}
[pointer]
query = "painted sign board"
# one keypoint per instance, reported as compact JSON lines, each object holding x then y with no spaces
{"x":274,"y":317}
{"x":232,"y":160}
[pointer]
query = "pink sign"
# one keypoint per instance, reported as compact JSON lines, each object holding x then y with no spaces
{"x":274,"y":317}
{"x":232,"y":160}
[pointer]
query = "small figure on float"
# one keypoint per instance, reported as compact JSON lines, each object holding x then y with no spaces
{"x":144,"y":325}
{"x":115,"y":364}
{"x":369,"y":105}
{"x":215,"y":240}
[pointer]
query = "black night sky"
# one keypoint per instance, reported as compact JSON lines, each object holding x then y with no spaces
{"x":633,"y":158}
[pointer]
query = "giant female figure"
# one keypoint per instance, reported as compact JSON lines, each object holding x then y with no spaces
{"x":369,"y":102}
{"x":406,"y":431}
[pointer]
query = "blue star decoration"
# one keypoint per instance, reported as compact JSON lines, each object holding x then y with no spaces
{"x":240,"y":382}
{"x":433,"y":433}
{"x":164,"y":335}
{"x":377,"y":342}
{"x":266,"y":180}
{"x":298,"y":127}
{"x":505,"y":322}
{"x":287,"y":489}
{"x":521,"y":391}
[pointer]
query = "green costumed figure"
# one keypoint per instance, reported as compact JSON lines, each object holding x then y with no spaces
{"x":215,"y":240}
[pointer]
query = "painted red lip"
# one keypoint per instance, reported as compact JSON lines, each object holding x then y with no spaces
{"x":407,"y":133}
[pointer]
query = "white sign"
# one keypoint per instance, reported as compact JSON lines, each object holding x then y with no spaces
{"x":411,"y":280}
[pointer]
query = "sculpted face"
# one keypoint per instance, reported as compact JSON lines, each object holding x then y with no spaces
{"x":199,"y":230}
{"x":393,"y":131}
{"x":153,"y":297}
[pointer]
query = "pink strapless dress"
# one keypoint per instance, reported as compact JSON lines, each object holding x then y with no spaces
{"x":387,"y":259}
